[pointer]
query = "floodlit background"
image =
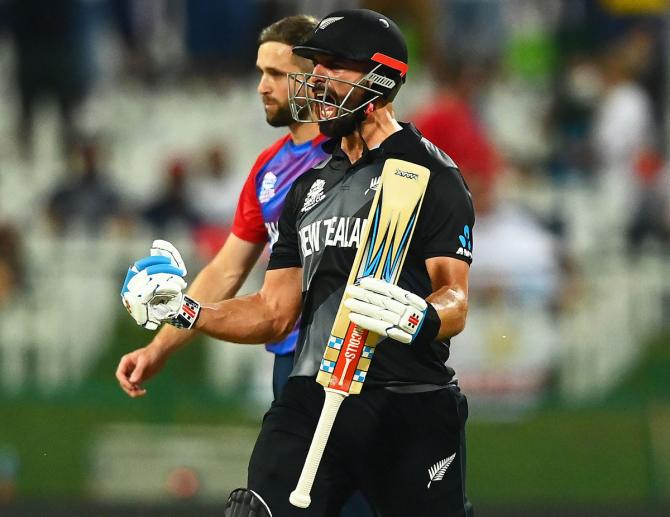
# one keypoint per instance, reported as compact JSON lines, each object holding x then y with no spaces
{"x":122,"y":121}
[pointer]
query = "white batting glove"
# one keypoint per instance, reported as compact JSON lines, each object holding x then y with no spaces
{"x":386,"y":309}
{"x":153,"y":289}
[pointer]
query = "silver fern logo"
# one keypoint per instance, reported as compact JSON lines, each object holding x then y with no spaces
{"x":374,"y":185}
{"x":437,"y":471}
{"x":329,"y":21}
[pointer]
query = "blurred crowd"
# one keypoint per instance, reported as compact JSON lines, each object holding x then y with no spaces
{"x":533,"y":100}
{"x":195,"y":193}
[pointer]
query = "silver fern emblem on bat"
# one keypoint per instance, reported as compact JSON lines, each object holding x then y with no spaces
{"x":437,"y":471}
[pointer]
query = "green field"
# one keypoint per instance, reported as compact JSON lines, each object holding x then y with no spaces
{"x":612,"y":453}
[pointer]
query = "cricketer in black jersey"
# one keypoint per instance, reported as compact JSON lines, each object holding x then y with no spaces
{"x":320,"y":229}
{"x":401,"y":441}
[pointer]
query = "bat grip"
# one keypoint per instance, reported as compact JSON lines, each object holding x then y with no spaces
{"x":331,"y":405}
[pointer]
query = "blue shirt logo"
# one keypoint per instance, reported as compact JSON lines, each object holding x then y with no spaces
{"x":466,"y":243}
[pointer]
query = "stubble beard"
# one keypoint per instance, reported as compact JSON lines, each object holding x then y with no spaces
{"x":281,"y":118}
{"x":347,"y":124}
{"x":339,"y":127}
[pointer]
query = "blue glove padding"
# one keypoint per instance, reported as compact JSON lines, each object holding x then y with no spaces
{"x":152,"y":289}
{"x":153,"y":265}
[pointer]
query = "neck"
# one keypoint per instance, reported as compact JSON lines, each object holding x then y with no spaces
{"x":301,"y":133}
{"x":377,"y":127}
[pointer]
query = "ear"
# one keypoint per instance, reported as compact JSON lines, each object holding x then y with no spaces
{"x":378,"y":104}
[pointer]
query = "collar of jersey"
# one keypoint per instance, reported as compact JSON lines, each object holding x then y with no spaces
{"x":319,"y":139}
{"x":398,"y":144}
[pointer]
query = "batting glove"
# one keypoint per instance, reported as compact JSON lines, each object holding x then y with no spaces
{"x":389,"y":310}
{"x":153,"y":289}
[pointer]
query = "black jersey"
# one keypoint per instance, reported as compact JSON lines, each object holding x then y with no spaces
{"x":320,"y":230}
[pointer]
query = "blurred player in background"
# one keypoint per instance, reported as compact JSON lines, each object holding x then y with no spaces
{"x":262,"y":196}
{"x":259,"y":207}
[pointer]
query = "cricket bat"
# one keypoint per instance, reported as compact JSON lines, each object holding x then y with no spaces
{"x":350,"y":348}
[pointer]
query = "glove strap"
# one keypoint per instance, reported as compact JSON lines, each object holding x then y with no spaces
{"x":428,"y":328}
{"x":187,"y":315}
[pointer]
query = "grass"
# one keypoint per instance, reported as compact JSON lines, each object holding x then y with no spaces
{"x":597,"y":455}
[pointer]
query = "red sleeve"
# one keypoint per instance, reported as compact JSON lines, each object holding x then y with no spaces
{"x":248,"y":223}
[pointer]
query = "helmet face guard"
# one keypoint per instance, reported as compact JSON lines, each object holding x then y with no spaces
{"x":308,"y":105}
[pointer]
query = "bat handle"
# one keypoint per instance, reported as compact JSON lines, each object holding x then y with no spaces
{"x":331,"y":405}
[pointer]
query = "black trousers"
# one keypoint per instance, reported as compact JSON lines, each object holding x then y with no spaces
{"x":282,"y":368}
{"x":404,"y":452}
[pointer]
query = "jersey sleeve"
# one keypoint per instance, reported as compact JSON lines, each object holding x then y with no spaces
{"x":248,"y":223}
{"x":447,"y":217}
{"x":286,"y":251}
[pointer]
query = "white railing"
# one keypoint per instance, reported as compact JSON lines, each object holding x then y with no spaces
{"x":54,"y":333}
{"x":56,"y":328}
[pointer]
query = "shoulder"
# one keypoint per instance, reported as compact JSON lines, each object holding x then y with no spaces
{"x":273,"y":149}
{"x":435,"y":158}
{"x":443,"y":169}
{"x":268,"y":153}
{"x":305,"y":180}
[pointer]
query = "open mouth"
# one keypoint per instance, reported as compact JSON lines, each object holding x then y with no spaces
{"x":327,"y":105}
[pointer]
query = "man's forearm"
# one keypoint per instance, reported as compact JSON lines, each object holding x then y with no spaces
{"x":249,"y":319}
{"x":452,"y":308}
{"x":211,"y":285}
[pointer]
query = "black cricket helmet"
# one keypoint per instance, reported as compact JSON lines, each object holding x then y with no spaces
{"x":359,"y":35}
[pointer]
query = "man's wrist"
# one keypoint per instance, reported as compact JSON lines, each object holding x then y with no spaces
{"x":187,"y":314}
{"x":167,"y":340}
{"x":170,"y":338}
{"x":430,"y":326}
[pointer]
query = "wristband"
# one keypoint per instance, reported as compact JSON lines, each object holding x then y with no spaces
{"x":428,"y":328}
{"x":187,"y":315}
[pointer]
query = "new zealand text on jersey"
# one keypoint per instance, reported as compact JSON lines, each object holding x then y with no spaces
{"x":343,"y":232}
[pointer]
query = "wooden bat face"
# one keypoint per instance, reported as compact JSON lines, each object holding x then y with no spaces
{"x":381,"y":254}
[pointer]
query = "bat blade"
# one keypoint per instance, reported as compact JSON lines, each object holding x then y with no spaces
{"x":381,"y":254}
